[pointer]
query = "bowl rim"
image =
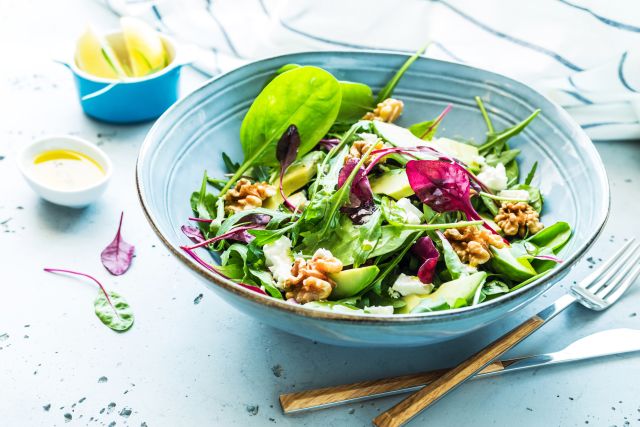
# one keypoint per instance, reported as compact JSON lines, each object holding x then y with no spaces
{"x":87,"y":148}
{"x":378,"y":319}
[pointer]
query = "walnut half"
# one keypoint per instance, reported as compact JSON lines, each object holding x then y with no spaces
{"x":518,"y":219}
{"x":472,"y":244}
{"x":309,"y":280}
{"x":360,"y":147}
{"x":387,"y":111}
{"x":245,"y":195}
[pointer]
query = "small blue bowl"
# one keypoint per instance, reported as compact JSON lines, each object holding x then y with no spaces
{"x":133,"y":99}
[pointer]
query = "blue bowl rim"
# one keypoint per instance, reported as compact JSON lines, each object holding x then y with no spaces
{"x":435,"y":316}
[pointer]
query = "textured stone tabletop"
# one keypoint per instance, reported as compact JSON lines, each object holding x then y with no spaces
{"x":191,"y":360}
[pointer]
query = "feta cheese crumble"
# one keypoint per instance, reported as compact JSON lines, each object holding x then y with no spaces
{"x":412,"y":215}
{"x":494,"y":177}
{"x":279,"y":260}
{"x":514,"y":194}
{"x":410,"y":285}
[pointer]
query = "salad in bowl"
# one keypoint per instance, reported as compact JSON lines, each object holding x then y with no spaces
{"x":334,"y":207}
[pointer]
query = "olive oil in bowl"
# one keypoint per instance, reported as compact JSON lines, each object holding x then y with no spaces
{"x":66,"y":170}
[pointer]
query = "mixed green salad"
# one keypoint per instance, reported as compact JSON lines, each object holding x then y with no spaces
{"x":337,"y":208}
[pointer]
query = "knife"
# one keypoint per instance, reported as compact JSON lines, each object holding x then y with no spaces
{"x":599,"y":344}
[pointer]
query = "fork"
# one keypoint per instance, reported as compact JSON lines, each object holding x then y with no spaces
{"x":598,"y":291}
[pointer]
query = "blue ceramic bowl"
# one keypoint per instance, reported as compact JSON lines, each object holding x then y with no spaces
{"x":191,"y":136}
{"x":134,"y":99}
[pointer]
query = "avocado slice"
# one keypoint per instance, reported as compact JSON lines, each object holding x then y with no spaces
{"x":393,"y":183}
{"x":350,"y":282}
{"x":299,"y":174}
{"x":456,"y":293}
{"x":402,"y":137}
{"x":515,"y":268}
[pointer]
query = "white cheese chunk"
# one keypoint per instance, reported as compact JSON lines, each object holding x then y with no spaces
{"x":279,"y":260}
{"x":494,"y":177}
{"x":410,"y":285}
{"x":412,"y":215}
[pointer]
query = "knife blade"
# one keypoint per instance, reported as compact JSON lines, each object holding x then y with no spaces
{"x":600,"y":344}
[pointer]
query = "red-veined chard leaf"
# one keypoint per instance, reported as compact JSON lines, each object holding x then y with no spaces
{"x":286,"y":153}
{"x":193,"y":233}
{"x":428,"y":255}
{"x":117,"y":256}
{"x":443,"y":186}
{"x":110,"y":307}
{"x":361,"y":203}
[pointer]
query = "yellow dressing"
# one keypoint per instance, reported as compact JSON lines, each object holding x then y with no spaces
{"x":66,"y":170}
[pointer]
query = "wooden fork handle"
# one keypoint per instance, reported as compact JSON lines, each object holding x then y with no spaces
{"x":412,"y":405}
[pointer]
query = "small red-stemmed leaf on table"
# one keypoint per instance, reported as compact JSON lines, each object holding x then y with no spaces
{"x":110,"y":307}
{"x":286,"y":153}
{"x":117,"y":256}
{"x":426,"y":252}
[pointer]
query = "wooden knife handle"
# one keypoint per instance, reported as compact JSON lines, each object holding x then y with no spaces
{"x":412,"y":405}
{"x":327,"y":396}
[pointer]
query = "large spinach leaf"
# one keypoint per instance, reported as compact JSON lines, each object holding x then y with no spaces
{"x":307,"y":97}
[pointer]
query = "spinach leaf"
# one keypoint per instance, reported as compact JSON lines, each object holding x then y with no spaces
{"x":387,"y":90}
{"x":553,"y":237}
{"x":391,"y":212}
{"x":357,"y":100}
{"x":427,"y":130}
{"x":116,"y":313}
{"x":307,"y":97}
{"x":455,"y":267}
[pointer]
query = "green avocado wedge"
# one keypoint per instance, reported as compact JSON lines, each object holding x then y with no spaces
{"x":352,"y":281}
{"x":393,"y":183}
{"x":299,"y":174}
{"x":453,"y":294}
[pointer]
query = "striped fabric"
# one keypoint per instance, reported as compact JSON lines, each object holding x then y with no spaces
{"x":583,"y":54}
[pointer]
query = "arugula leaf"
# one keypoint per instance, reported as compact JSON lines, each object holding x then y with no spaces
{"x":505,"y":157}
{"x":229,"y":164}
{"x":531,"y":174}
{"x":368,"y":237}
{"x":490,"y":290}
{"x":203,"y":203}
{"x":387,"y":90}
{"x":499,"y":139}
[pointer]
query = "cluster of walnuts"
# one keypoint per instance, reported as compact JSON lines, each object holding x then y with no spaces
{"x":309,"y":279}
{"x":387,"y":111}
{"x":472,"y":243}
{"x":246,"y":195}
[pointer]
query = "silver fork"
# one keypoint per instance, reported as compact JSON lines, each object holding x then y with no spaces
{"x":598,"y":291}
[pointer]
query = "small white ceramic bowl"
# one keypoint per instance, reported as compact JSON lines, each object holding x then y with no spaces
{"x":71,"y":198}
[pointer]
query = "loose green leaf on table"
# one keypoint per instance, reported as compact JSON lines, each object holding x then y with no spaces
{"x":110,"y":307}
{"x":114,"y":311}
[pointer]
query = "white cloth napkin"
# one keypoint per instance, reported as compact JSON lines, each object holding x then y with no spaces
{"x":583,"y":54}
